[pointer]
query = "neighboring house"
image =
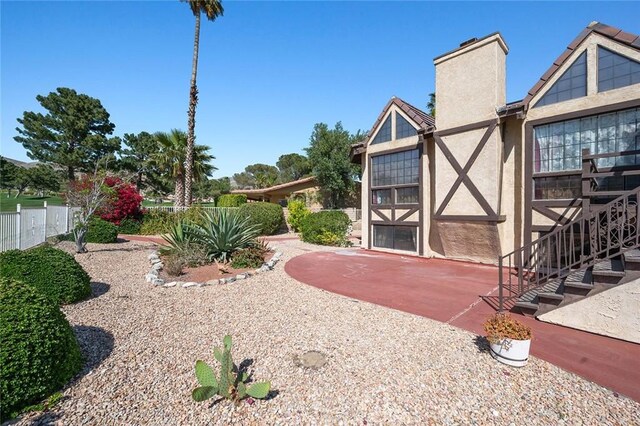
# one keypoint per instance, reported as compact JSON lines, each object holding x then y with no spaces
{"x":305,"y":189}
{"x":486,"y":176}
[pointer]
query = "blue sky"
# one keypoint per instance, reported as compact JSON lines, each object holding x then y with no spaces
{"x":268,"y":70}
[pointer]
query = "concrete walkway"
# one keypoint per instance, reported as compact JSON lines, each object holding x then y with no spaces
{"x":457,"y":293}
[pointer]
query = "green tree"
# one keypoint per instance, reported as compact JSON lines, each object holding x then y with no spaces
{"x":43,"y":178}
{"x":431,"y":105}
{"x":293,"y":167}
{"x":328,"y":152}
{"x":136,"y":158}
{"x":21,"y":181}
{"x":170,"y":160}
{"x":73,"y":133}
{"x":211,"y":9}
{"x":211,"y":188}
{"x":257,"y":176}
{"x":244,"y":180}
{"x":8,"y":174}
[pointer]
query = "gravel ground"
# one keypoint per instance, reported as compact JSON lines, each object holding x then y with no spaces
{"x":384,"y":366}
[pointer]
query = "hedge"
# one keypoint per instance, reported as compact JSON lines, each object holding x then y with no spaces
{"x":38,"y":350}
{"x":55,"y":273}
{"x":297,"y":212}
{"x":156,"y":222}
{"x":326,"y":228}
{"x":129,"y":226}
{"x":268,"y":216}
{"x":101,"y":231}
{"x":231,"y":200}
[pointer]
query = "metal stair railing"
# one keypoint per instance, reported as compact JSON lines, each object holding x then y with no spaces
{"x":601,"y":232}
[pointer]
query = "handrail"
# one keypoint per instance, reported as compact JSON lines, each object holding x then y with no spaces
{"x":599,"y":233}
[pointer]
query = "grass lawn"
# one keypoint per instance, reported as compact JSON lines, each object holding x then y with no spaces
{"x":8,"y":204}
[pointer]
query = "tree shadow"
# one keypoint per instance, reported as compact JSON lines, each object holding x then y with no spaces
{"x":482,"y":344}
{"x":47,"y":418}
{"x":98,"y":289}
{"x":96,"y":344}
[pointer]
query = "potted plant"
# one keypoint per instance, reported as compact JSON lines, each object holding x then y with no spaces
{"x":509,"y":339}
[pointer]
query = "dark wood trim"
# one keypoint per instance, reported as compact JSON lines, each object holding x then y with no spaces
{"x":556,"y":174}
{"x":382,"y":215}
{"x":573,"y":202}
{"x":369,"y":181}
{"x":421,"y":183}
{"x":561,"y":218}
{"x":395,"y":223}
{"x":528,"y":182}
{"x":465,"y":128}
{"x":465,"y":218}
{"x":407,"y":214}
{"x":611,"y":154}
{"x":395,"y":150}
{"x":585,"y":112}
{"x":463,"y":176}
{"x":542,"y":228}
{"x":616,"y":173}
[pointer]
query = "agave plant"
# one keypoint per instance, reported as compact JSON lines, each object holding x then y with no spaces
{"x":178,"y":238}
{"x":223,"y":233}
{"x":231,"y":383}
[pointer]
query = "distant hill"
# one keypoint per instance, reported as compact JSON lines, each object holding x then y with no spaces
{"x":22,"y":163}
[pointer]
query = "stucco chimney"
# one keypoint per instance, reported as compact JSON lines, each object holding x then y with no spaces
{"x":470,"y":82}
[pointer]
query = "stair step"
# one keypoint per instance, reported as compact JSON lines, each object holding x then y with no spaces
{"x":632,"y":256}
{"x":548,"y":295}
{"x":526,"y":305}
{"x":575,"y":284}
{"x":609,"y":268}
{"x":531,"y":296}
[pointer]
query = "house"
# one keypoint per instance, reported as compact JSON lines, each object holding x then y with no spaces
{"x":305,"y":188}
{"x":496,"y":182}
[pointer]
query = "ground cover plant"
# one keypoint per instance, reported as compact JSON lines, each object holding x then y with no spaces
{"x":38,"y":350}
{"x":55,"y":273}
{"x":231,"y":383}
{"x":250,"y":257}
{"x":326,"y":228}
{"x":267,"y":217}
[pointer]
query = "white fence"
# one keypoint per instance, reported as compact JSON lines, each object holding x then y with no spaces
{"x":29,"y":227}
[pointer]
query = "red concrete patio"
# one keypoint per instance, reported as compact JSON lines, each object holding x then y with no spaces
{"x":452,"y":292}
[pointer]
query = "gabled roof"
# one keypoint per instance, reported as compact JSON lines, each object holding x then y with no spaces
{"x":419,"y":117}
{"x":613,"y":33}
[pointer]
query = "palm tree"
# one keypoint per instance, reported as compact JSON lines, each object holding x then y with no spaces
{"x":211,"y":9}
{"x":170,"y":158}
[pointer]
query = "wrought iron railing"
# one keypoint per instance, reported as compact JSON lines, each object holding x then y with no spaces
{"x":601,"y":232}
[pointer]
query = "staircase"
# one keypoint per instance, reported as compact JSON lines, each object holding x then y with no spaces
{"x":579,"y":284}
{"x":596,"y":251}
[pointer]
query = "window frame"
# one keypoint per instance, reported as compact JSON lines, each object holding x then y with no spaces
{"x":556,"y":84}
{"x":600,"y":48}
{"x":395,"y":186}
{"x":393,"y":226}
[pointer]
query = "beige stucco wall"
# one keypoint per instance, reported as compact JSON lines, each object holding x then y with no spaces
{"x":470,"y":83}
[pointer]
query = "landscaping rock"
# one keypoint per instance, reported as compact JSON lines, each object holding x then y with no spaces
{"x":222,"y":281}
{"x":171,"y":284}
{"x":158,"y":281}
{"x":241,"y":276}
{"x":213,"y":282}
{"x":230,"y":280}
{"x":157,"y":266}
{"x":153,"y":256}
{"x":189,"y":284}
{"x":150,"y":277}
{"x":154,"y":261}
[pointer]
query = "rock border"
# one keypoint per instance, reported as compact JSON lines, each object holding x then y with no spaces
{"x":156,"y":266}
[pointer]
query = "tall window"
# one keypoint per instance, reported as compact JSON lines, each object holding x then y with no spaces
{"x":384,"y":134}
{"x":403,"y":128}
{"x":615,"y":70}
{"x":572,"y":84}
{"x":399,"y":168}
{"x":558,"y":148}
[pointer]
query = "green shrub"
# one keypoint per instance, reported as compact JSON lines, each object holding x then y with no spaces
{"x":155,"y":222}
{"x":129,"y":226}
{"x":101,"y":231}
{"x":251,"y":257}
{"x":326,"y":228}
{"x":231,"y":200}
{"x":268,"y":217}
{"x":53,"y":272}
{"x":297,"y":212}
{"x":38,"y":350}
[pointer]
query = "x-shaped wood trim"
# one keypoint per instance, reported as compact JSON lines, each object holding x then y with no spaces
{"x":559,"y":218}
{"x":407,"y":214}
{"x":382,"y":215}
{"x":462,"y":172}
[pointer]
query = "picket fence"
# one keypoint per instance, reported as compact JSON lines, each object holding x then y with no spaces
{"x":28,"y":227}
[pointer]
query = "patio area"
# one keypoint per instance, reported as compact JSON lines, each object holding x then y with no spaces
{"x":452,"y":292}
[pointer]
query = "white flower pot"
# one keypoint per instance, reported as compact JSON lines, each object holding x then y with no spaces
{"x":511,"y":352}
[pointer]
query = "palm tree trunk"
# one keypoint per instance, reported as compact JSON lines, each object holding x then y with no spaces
{"x":191,"y":122}
{"x":179,"y":191}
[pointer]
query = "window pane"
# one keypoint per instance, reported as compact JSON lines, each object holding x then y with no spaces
{"x":384,"y":134}
{"x":395,"y":169}
{"x":615,"y":70}
{"x":395,"y":237}
{"x":403,"y":128}
{"x":407,"y":195}
{"x":572,"y":84}
{"x":557,"y":187}
{"x":381,"y":196}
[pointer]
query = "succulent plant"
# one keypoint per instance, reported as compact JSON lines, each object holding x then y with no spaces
{"x":231,"y":383}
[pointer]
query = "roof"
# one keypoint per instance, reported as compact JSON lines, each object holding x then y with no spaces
{"x":631,"y":40}
{"x":418,"y":116}
{"x":262,"y":191}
